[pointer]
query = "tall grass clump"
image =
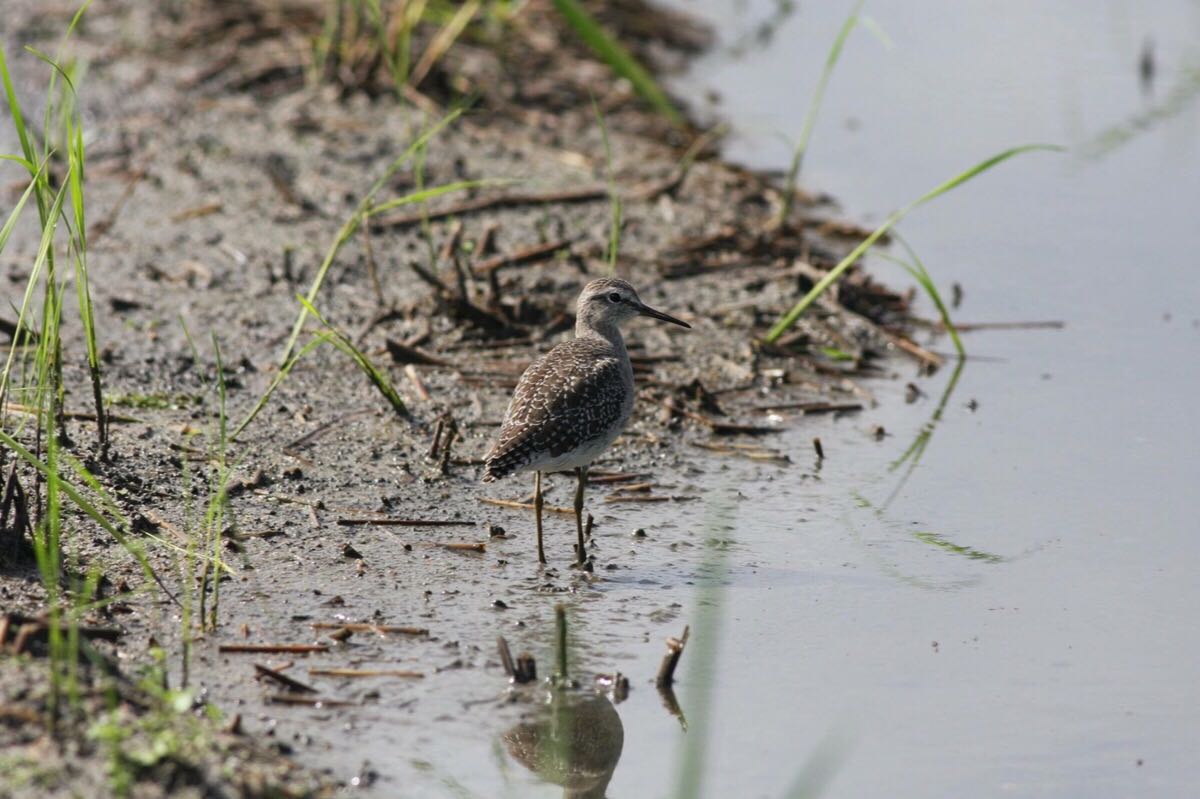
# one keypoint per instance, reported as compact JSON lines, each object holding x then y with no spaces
{"x":355,"y":32}
{"x":61,"y":115}
{"x":32,"y":390}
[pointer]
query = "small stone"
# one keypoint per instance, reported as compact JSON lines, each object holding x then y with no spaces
{"x":639,"y":533}
{"x":350,"y":552}
{"x":500,"y":604}
{"x":496,"y":531}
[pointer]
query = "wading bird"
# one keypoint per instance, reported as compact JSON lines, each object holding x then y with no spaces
{"x":573,"y":402}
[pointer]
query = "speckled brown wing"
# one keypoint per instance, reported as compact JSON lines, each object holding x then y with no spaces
{"x":567,"y":399}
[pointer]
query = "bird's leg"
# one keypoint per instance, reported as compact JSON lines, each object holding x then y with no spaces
{"x":537,"y":511}
{"x":580,"y":551}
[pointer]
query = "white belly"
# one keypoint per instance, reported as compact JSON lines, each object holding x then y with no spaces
{"x":580,"y":456}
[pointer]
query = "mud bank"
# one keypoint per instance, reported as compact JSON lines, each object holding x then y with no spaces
{"x":220,"y":171}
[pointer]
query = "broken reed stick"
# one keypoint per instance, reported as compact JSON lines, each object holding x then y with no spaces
{"x":358,"y":521}
{"x":506,"y":658}
{"x":751,"y":453}
{"x":819,"y":449}
{"x":437,"y":439}
{"x":382,"y":629}
{"x":643,"y":191}
{"x":523,"y":669}
{"x":907,"y":345}
{"x":29,"y":627}
{"x":720,"y":428}
{"x":525,"y":256}
{"x":666,"y":670}
{"x":811,"y":407}
{"x":290,"y":683}
{"x":447,"y":445}
{"x":612,"y":478}
{"x":508,"y":503}
{"x":636,"y":498}
{"x":410,"y":372}
{"x":298,"y":649}
{"x":631,"y":487}
{"x":411,"y":675}
{"x":403,"y":353}
{"x":311,"y":701}
{"x":465,"y":547}
{"x":969,"y":327}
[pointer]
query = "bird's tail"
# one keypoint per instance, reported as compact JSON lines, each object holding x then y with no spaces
{"x":497,"y":466}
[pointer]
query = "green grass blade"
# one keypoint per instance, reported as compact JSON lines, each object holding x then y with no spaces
{"x":377,"y":378}
{"x":614,"y":199}
{"x":789,"y":318}
{"x":814,"y":107}
{"x":433,"y":192}
{"x":350,"y":226}
{"x":443,"y":40}
{"x":917,"y":269}
{"x":53,"y":64}
{"x":18,"y":159}
{"x":280,"y":376}
{"x":618,"y":58}
{"x":14,"y":108}
{"x":11,"y":222}
{"x":39,"y":263}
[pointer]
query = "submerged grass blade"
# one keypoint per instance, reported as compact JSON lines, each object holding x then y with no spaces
{"x":708,"y":611}
{"x":789,"y":318}
{"x":820,"y":768}
{"x":618,"y":58}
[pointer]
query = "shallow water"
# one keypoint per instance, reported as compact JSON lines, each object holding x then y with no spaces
{"x":1014,"y":613}
{"x":1011,"y":612}
{"x":1046,"y":541}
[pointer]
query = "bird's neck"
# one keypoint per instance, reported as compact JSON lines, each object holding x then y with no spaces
{"x":601,"y":332}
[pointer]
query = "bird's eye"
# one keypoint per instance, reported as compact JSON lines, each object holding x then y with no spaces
{"x":614,"y":297}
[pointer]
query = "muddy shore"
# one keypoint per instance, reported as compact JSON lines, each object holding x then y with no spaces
{"x":219,"y":173}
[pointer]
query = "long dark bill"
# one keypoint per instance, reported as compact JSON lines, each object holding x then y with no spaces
{"x":646,"y":310}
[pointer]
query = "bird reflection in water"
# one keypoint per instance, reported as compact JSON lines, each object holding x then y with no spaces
{"x":574,"y":741}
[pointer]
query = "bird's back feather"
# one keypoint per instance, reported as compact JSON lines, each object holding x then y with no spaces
{"x":574,"y":399}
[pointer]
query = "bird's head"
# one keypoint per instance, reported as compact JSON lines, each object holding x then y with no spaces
{"x":610,"y":301}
